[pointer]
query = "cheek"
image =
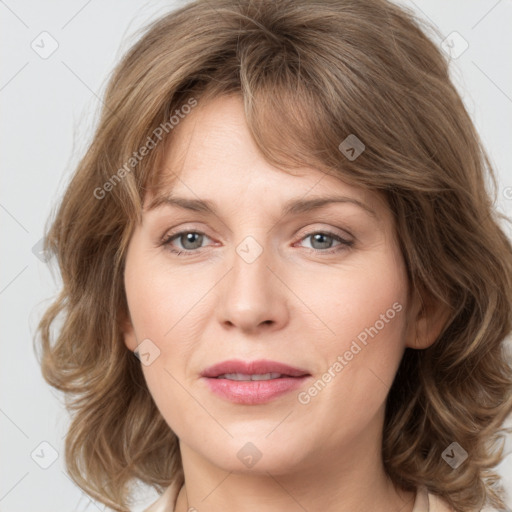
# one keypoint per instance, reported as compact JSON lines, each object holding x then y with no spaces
{"x":364,"y":308}
{"x":171,"y":320}
{"x":165,"y":308}
{"x":161,"y":301}
{"x":369,"y":294}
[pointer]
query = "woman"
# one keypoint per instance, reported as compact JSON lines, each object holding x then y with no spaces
{"x":284,"y":216}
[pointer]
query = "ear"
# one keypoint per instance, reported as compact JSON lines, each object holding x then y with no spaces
{"x":427,"y":319}
{"x":127,"y":330}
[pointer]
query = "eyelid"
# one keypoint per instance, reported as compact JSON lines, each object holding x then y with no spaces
{"x":181,"y":228}
{"x":331,"y":230}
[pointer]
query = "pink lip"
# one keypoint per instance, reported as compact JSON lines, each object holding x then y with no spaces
{"x":253,"y":392}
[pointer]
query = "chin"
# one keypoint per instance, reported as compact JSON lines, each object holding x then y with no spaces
{"x":258,"y":456}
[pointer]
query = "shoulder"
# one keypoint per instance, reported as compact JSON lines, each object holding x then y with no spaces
{"x":428,"y":502}
{"x":437,"y":504}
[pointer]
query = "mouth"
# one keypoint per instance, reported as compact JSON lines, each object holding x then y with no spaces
{"x":263,"y":369}
{"x":256,"y":376}
{"x":253,"y":382}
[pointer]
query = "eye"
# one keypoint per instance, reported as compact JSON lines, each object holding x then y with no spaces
{"x":189,"y":241}
{"x":322,"y":242}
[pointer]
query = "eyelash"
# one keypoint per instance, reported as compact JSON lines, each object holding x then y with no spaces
{"x":344,"y":244}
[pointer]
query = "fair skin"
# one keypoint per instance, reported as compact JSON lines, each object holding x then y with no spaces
{"x":295,"y":303}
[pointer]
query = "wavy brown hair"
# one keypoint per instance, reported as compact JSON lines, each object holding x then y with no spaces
{"x":310,"y":72}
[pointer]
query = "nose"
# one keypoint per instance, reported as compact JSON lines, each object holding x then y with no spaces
{"x":253,"y":296}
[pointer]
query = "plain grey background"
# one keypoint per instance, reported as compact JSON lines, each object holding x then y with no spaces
{"x":56,"y":58}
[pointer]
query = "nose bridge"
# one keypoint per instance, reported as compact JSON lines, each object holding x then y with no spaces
{"x":251,"y":295}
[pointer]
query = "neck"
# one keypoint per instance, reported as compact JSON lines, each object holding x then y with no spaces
{"x":351,"y":480}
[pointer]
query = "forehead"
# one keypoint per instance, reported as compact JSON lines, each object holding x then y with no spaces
{"x":213,"y":155}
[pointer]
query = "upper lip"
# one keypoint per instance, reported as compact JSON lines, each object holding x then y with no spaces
{"x":259,"y":367}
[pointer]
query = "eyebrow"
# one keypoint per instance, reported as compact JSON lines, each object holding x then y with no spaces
{"x":291,"y":207}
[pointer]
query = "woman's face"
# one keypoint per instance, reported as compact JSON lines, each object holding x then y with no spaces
{"x":320,"y":287}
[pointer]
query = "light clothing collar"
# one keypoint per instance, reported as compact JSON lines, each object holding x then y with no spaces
{"x":424,"y":502}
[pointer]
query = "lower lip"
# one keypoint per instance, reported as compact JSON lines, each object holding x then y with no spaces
{"x":252,"y":392}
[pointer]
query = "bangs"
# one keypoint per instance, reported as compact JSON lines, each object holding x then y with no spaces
{"x":290,"y":121}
